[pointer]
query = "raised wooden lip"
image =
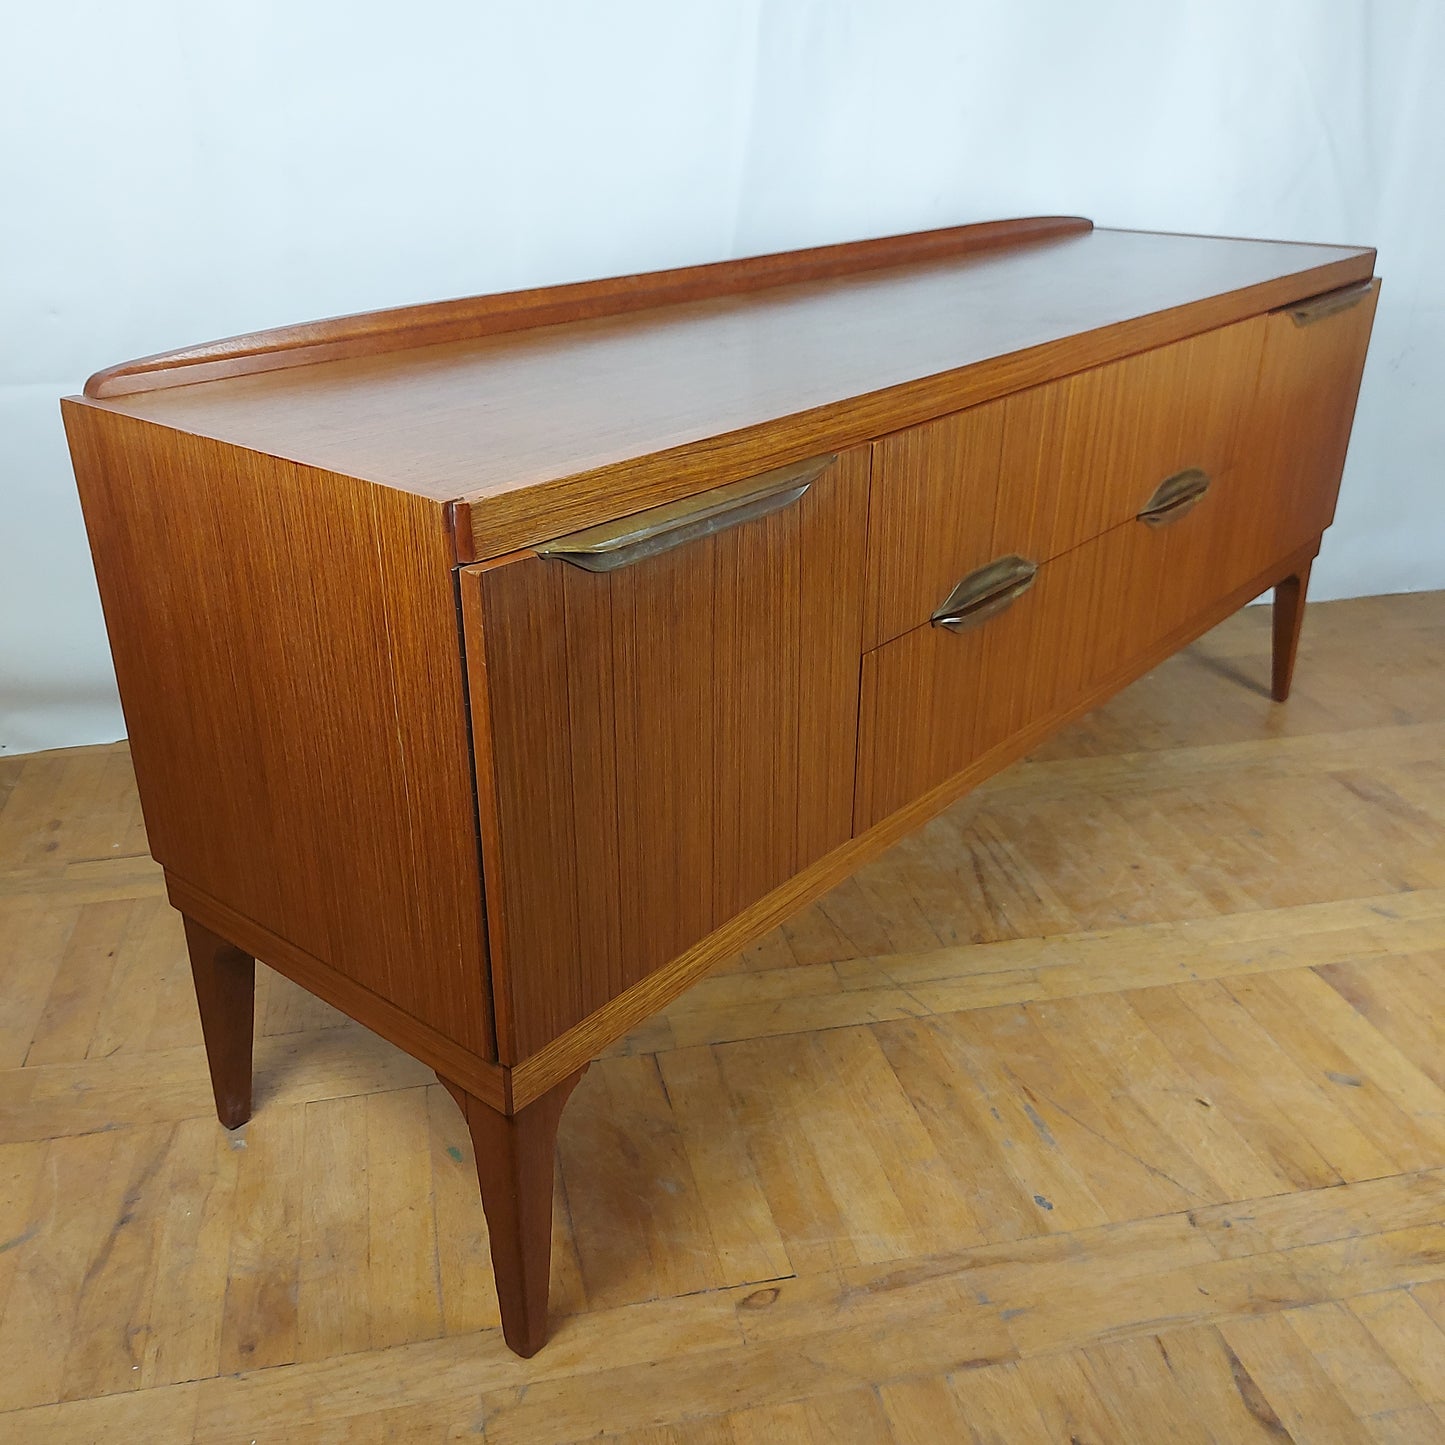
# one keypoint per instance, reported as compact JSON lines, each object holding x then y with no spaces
{"x":401,"y":328}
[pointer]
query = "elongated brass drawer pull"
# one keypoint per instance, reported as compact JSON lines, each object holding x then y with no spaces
{"x":1306,"y":313}
{"x":630,"y":539}
{"x":985,"y":593}
{"x":1175,"y":497}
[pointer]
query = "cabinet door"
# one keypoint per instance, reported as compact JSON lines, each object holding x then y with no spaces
{"x":659,"y":745}
{"x":1298,"y":428}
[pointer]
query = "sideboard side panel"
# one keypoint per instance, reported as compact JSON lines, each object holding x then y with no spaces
{"x":286,"y":646}
{"x":660,"y":746}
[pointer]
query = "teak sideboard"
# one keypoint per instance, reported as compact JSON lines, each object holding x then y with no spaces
{"x":495,"y":667}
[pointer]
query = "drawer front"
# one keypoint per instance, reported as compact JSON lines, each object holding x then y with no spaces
{"x":659,"y":743}
{"x":1039,"y":472}
{"x":935,"y":701}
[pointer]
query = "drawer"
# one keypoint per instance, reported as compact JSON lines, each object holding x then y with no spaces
{"x":938,"y":700}
{"x":1037,"y":473}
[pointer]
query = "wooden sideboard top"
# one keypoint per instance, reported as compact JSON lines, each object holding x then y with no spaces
{"x":544,"y":424}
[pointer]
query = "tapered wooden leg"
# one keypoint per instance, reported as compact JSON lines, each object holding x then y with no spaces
{"x":515,"y":1162}
{"x":225,"y":981}
{"x":1289,"y":614}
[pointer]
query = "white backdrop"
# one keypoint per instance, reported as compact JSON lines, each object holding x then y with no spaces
{"x":173,"y":172}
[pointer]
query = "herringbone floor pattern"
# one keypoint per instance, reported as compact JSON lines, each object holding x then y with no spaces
{"x":1109,"y":1107}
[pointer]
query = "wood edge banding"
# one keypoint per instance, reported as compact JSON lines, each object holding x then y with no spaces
{"x":534,"y":1075}
{"x":459,"y":527}
{"x":401,"y":328}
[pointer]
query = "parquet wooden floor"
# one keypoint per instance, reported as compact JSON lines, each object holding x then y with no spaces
{"x":1109,"y":1107}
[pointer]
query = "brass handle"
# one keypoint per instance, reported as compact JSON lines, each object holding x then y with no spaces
{"x":611,"y":545}
{"x":985,"y":593}
{"x":1175,"y":497}
{"x":1306,"y":313}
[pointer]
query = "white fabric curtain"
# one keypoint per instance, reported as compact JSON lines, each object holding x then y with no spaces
{"x":172,"y":172}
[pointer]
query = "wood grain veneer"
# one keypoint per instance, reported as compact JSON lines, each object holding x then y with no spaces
{"x":500,"y":807}
{"x":1038,"y":472}
{"x":1299,"y":427}
{"x":286,"y":646}
{"x":662,"y":745}
{"x":935,"y":700}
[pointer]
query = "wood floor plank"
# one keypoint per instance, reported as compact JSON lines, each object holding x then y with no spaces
{"x":283,"y":1007}
{"x":1292,"y":1383}
{"x":405,"y":1290}
{"x":1391,"y":1101}
{"x":1191,"y":760}
{"x":33,"y":938}
{"x":182,"y":1331}
{"x":1408,"y":1335}
{"x":1032,"y":1153}
{"x":744,"y":1232}
{"x":260,"y":1321}
{"x":91,"y":880}
{"x":1222,"y":1393}
{"x":170,"y":1085}
{"x":924,"y":1410}
{"x":851,"y":1417}
{"x":636,"y":1216}
{"x":1305,"y":1133}
{"x":21,"y":1167}
{"x":1418,"y":1426}
{"x":159,"y":1417}
{"x":333,"y":1297}
{"x":1430,"y":1296}
{"x":939,"y":1212}
{"x":1399,"y":996}
{"x":1148,"y":955}
{"x":73,"y":1216}
{"x":797,"y":1014}
{"x":998,"y":1406}
{"x":953,"y":1116}
{"x":1067,"y":1400}
{"x":1353,"y":1359}
{"x":120,"y":1280}
{"x":770,"y":1089}
{"x":142,"y":981}
{"x":468,"y":1294}
{"x":700,"y":1432}
{"x":470,"y":1376}
{"x":1135,"y":1379}
{"x":65,"y":1028}
{"x":1108,"y":1042}
{"x":74,"y":804}
{"x":1345,"y":1211}
{"x":1132,"y":1167}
